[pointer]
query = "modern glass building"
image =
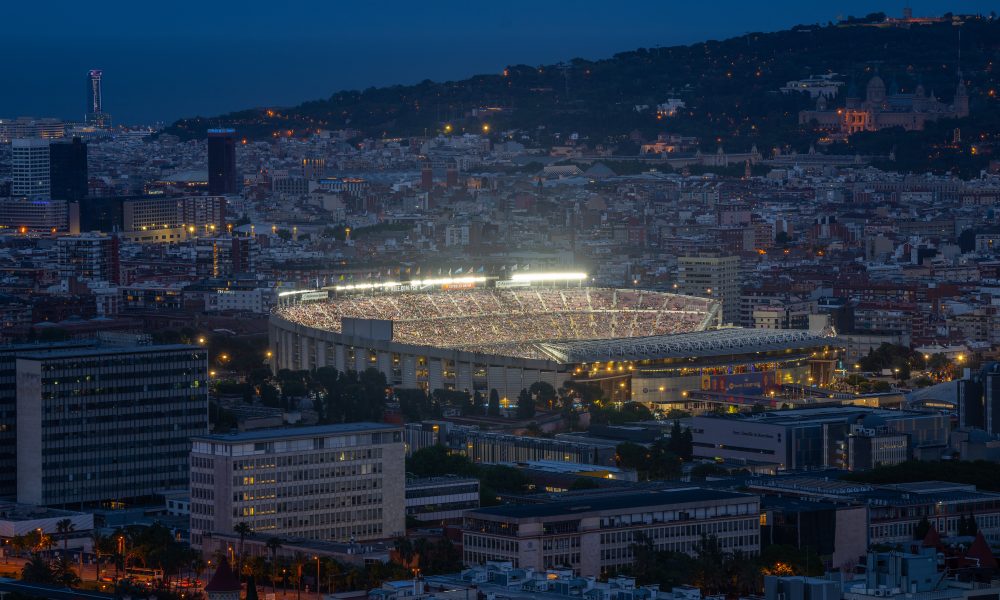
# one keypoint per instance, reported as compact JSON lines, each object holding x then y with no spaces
{"x":222,"y":162}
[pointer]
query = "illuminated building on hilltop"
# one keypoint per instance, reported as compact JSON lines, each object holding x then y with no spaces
{"x":882,"y":110}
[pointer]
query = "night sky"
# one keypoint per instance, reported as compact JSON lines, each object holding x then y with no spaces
{"x":164,"y":60}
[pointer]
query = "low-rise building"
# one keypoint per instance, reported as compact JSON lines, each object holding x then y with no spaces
{"x":592,"y":534}
{"x":437,"y":499}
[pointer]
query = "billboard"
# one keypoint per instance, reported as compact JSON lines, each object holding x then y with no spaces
{"x":744,"y":384}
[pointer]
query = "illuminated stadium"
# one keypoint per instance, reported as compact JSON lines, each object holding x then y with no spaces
{"x":478,"y":333}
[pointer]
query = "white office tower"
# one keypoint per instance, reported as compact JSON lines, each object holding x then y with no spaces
{"x":30,"y":168}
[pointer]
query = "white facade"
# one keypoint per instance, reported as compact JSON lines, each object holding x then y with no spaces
{"x":329,"y":482}
{"x":30,"y":168}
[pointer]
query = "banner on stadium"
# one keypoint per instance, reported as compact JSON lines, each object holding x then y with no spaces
{"x":749,"y":384}
{"x":312,"y":296}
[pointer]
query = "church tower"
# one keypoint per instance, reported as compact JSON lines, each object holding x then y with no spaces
{"x":961,"y":103}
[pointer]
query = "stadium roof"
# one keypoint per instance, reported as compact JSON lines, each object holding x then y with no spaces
{"x":719,"y":342}
{"x":620,"y":501}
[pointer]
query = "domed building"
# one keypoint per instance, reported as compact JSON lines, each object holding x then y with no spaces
{"x":882,"y":109}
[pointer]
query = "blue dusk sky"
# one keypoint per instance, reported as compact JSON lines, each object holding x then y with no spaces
{"x":175,"y":58}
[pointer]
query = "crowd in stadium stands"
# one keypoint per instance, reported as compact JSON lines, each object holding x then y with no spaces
{"x":510,"y":322}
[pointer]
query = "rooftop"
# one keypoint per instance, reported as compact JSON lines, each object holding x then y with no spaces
{"x":87,"y":351}
{"x":591,"y":504}
{"x":718,"y":342}
{"x":294,"y":432}
{"x":821,"y":414}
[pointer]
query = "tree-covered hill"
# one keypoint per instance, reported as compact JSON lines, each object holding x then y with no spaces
{"x":730,"y":89}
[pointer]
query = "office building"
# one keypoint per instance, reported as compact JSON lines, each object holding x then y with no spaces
{"x":439,"y":499}
{"x":894,"y":511}
{"x":222,"y":177}
{"x":34,"y":215}
{"x":153,"y":218}
{"x":68,"y":169}
{"x":8,"y":406}
{"x":713,"y":276}
{"x":30,"y":127}
{"x":30,"y":168}
{"x":108,"y":425}
{"x":90,"y":257}
{"x":593,"y":534}
{"x":979,"y":400}
{"x":341,"y":482}
{"x":95,"y":114}
{"x":812,"y":438}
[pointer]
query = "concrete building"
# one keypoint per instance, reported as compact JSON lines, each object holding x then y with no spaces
{"x":437,"y":499}
{"x":712,"y":276}
{"x":30,"y":168}
{"x":894,"y":511}
{"x":504,"y":580}
{"x":88,"y":257}
{"x":800,"y":588}
{"x":328,"y":482}
{"x":34,"y":215}
{"x":8,"y":406}
{"x":812,"y":438}
{"x":107,"y":424}
{"x":591,"y":534}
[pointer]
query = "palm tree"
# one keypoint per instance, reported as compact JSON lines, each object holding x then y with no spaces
{"x":243,"y":530}
{"x":97,"y":542}
{"x":36,"y":570}
{"x":63,"y":573}
{"x":65,"y":527}
{"x":273,"y":544}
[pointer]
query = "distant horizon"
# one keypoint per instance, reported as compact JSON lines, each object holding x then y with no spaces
{"x":230,"y":57}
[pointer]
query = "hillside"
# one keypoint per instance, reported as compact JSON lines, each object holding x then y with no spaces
{"x":730,"y":89}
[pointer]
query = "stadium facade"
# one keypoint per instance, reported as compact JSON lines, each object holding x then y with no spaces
{"x":480,"y":334}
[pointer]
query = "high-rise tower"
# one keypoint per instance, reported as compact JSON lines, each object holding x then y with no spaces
{"x":222,"y":162}
{"x":95,"y":103}
{"x":68,"y":169}
{"x":30,"y":167}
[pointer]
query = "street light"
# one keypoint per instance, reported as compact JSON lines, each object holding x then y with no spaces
{"x":317,"y":575}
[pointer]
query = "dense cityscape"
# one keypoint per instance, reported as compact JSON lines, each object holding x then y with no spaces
{"x":707,"y":321}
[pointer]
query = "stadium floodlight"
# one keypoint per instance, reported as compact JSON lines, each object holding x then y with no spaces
{"x":447,"y":281}
{"x":415,"y":282}
{"x":530,"y":277}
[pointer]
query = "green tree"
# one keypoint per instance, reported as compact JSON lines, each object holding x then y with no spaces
{"x":65,"y":527}
{"x":243,"y":530}
{"x":37,"y":570}
{"x":525,"y":405}
{"x":435,"y":461}
{"x":493,"y":409}
{"x":63,"y":572}
{"x":543,"y":393}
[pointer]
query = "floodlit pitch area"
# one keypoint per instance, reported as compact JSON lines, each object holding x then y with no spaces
{"x":512,"y":322}
{"x":480,"y":335}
